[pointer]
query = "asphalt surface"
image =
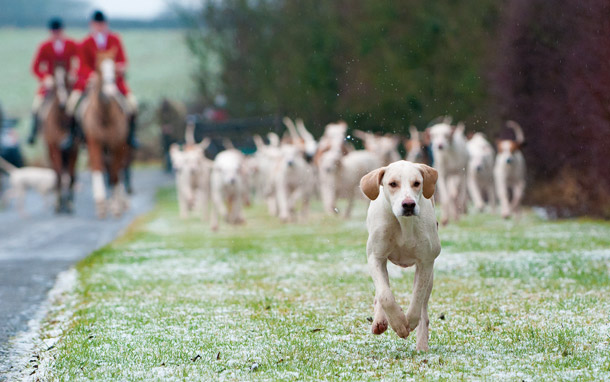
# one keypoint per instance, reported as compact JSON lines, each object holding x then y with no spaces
{"x":35,"y":248}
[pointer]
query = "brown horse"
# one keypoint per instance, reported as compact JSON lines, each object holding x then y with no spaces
{"x":105,"y":124}
{"x":54,"y":130}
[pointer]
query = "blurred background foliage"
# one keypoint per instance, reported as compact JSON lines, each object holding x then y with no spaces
{"x":380,"y":65}
{"x":383,"y":65}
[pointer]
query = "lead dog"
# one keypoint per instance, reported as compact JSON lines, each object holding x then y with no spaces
{"x":509,"y":171}
{"x":403,"y":229}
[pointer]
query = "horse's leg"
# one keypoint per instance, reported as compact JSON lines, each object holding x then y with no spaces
{"x":127,"y":171}
{"x":72,"y":157}
{"x":117,"y":164}
{"x":96,"y":161}
{"x":55,"y":156}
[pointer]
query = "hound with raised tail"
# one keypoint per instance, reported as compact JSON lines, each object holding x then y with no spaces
{"x":509,"y":171}
{"x":402,"y":228}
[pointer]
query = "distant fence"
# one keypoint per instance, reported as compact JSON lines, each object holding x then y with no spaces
{"x":239,"y":131}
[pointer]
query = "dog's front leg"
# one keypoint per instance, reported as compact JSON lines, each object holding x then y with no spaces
{"x":491,"y":197}
{"x":423,"y":279}
{"x":475,"y":192}
{"x":424,"y":323}
{"x":502,"y":192}
{"x":281,"y":193}
{"x":518,"y":191}
{"x":385,"y":298}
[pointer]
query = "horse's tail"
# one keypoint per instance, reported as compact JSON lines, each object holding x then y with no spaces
{"x":7,"y":166}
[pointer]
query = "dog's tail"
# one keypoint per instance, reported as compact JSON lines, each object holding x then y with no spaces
{"x":442,"y":119}
{"x":274,"y":140}
{"x":413,"y":133}
{"x":189,"y":133}
{"x":258,"y":142}
{"x":305,"y":134}
{"x":292,"y":129}
{"x":460,"y":128}
{"x":519,"y":137}
{"x":226,"y":142}
{"x":7,"y":166}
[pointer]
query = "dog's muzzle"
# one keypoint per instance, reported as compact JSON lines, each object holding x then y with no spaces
{"x":408,"y":207}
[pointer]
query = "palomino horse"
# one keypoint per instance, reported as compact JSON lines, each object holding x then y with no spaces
{"x":104,"y":121}
{"x":54,"y":130}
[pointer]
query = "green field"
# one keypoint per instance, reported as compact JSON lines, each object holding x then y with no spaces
{"x":159,"y":65}
{"x":526,"y":300}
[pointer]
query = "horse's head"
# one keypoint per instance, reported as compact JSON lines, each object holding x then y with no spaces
{"x":106,"y":71}
{"x":59,"y":76}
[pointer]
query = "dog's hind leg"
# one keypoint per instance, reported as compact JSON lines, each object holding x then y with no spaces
{"x":518,"y":191}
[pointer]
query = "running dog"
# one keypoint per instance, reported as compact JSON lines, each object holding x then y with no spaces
{"x":450,"y":160}
{"x":480,"y":172}
{"x":509,"y":171}
{"x":402,"y":229}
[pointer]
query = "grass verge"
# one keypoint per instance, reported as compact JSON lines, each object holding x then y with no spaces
{"x":172,"y":301}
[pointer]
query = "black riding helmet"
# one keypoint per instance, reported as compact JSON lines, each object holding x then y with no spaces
{"x":56,"y":24}
{"x":98,"y":16}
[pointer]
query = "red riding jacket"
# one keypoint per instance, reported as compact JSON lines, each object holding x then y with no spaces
{"x":88,"y":55}
{"x":47,"y":58}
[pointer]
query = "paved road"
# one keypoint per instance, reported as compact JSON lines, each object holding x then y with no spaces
{"x":33,"y":250}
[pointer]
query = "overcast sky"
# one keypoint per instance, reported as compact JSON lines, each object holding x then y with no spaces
{"x":141,"y":9}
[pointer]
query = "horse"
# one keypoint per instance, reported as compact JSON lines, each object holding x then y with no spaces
{"x":54,"y":130}
{"x":105,"y":124}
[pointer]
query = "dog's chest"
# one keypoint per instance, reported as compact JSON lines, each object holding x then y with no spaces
{"x":405,"y":252}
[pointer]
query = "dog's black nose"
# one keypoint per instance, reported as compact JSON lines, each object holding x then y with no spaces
{"x":290,"y":163}
{"x":509,"y":160}
{"x":479,"y":168}
{"x":408,"y":206}
{"x":440,"y":147}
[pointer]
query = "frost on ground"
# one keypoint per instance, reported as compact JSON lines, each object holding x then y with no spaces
{"x":32,"y":350}
{"x":172,"y":301}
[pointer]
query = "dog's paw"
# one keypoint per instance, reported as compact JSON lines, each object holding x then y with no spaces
{"x":400,"y":325}
{"x":379,"y":326}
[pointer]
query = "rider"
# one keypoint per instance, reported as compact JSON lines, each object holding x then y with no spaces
{"x":101,"y":39}
{"x":57,"y":50}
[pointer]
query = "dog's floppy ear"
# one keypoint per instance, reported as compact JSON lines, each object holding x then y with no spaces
{"x":430,"y":177}
{"x":369,"y":184}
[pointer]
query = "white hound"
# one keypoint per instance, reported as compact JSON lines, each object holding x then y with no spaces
{"x":228,"y":188}
{"x":481,"y":172}
{"x":450,"y":159}
{"x":340,"y":175}
{"x":509,"y":171}
{"x":402,"y":228}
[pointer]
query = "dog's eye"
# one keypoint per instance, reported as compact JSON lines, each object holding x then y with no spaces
{"x":416,"y":184}
{"x":393,"y":184}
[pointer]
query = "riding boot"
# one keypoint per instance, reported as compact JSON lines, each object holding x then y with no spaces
{"x":132,"y":141}
{"x":34,"y":129}
{"x":74,"y":133}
